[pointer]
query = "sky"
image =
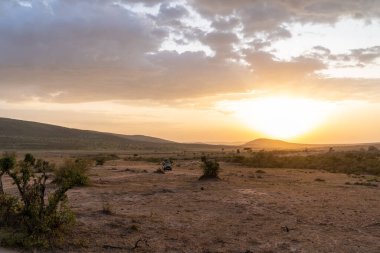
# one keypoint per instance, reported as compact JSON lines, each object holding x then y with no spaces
{"x":216,"y":71}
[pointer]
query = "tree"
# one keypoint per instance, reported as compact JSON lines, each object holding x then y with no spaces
{"x":40,"y":219}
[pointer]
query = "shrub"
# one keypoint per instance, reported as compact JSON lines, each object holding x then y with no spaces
{"x":29,"y":159}
{"x":133,"y":228}
{"x":99,"y":161}
{"x":74,"y":172}
{"x":9,"y":208}
{"x":32,"y":220}
{"x":210,"y":168}
{"x":41,"y":166}
{"x":107,"y":208}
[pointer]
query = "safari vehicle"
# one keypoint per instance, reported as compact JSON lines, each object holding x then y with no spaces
{"x":167,"y":165}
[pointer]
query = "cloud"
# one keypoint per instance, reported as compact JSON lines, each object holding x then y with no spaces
{"x":222,"y":43}
{"x":366,"y":55}
{"x":82,"y":50}
{"x":271,"y":71}
{"x":287,"y":10}
{"x":322,"y":50}
{"x":359,"y":57}
{"x":74,"y":35}
{"x":173,"y":12}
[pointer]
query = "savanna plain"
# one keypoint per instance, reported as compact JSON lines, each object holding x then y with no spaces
{"x":129,"y":205}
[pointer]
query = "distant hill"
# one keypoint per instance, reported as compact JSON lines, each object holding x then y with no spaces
{"x":144,"y":138}
{"x":275,"y":144}
{"x":19,"y":134}
{"x":269,"y":144}
{"x":28,"y":135}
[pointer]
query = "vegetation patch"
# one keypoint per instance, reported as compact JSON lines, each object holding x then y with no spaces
{"x":107,"y":208}
{"x":210,"y":168}
{"x":145,"y":159}
{"x":102,"y":159}
{"x":35,"y":217}
{"x":362,"y":184}
{"x":76,"y":172}
{"x":349,"y":162}
{"x":366,"y":184}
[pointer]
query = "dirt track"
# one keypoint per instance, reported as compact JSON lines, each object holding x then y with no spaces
{"x":276,"y":211}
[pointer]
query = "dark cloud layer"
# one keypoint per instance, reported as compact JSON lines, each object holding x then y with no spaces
{"x":84,"y":50}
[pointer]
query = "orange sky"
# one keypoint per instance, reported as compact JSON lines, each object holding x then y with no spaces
{"x":192,"y":70}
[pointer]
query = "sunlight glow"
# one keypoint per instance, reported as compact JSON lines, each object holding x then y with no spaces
{"x":280,"y":117}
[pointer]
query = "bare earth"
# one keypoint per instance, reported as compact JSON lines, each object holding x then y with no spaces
{"x":280,"y":210}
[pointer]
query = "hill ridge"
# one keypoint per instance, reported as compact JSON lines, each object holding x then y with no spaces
{"x":15,"y":133}
{"x":266,"y":143}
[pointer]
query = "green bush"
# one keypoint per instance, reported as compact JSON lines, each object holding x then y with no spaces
{"x":10,"y":206}
{"x":29,"y":219}
{"x":29,"y":159}
{"x":101,"y":159}
{"x":210,"y":168}
{"x":41,"y":166}
{"x":74,"y":172}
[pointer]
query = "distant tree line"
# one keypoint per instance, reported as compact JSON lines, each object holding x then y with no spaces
{"x":350,"y":162}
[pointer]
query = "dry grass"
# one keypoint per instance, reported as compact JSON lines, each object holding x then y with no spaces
{"x":283,"y":211}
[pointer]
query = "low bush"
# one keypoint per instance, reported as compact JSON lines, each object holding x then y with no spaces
{"x":210,"y":168}
{"x":41,"y":166}
{"x":107,"y":208}
{"x":73,"y":171}
{"x":9,"y":208}
{"x":99,"y":161}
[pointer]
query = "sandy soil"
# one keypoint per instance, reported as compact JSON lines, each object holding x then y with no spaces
{"x":280,"y":210}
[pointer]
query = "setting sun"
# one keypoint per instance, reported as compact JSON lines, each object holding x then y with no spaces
{"x":280,"y":117}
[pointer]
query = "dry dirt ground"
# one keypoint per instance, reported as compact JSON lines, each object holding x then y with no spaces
{"x":280,"y":210}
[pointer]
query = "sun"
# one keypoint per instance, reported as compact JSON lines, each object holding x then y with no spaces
{"x":280,"y":117}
